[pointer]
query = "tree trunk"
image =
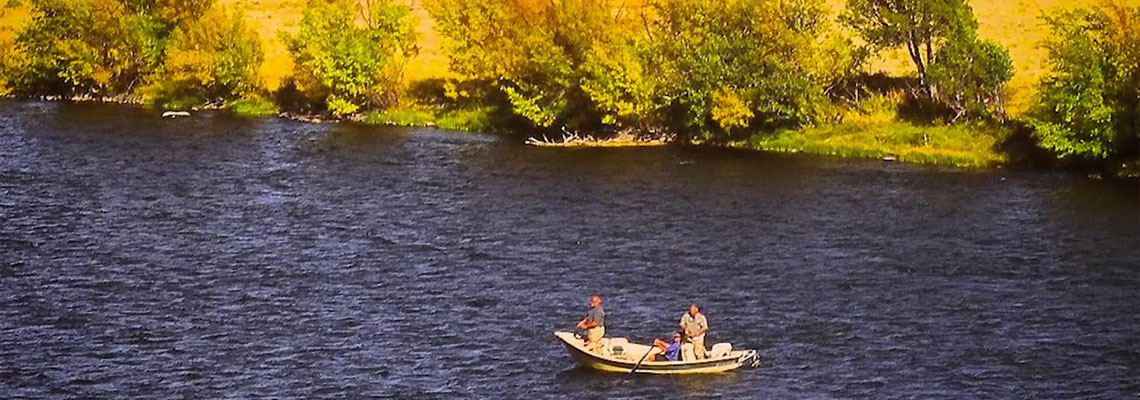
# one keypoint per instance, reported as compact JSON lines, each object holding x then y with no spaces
{"x":930,"y":89}
{"x":914,"y":48}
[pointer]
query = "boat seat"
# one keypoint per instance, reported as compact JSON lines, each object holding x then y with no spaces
{"x":720,"y":350}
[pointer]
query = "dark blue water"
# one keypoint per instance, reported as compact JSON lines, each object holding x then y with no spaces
{"x":215,"y":257}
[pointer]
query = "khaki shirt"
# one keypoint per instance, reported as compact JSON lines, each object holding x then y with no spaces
{"x":694,"y":324}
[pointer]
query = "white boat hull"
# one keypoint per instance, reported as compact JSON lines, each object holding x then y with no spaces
{"x":588,"y":359}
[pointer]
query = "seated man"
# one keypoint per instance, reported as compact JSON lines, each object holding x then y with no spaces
{"x":671,"y":351}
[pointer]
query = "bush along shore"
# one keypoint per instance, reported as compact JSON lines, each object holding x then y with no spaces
{"x":773,"y":75}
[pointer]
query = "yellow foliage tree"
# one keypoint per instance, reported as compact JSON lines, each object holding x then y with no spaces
{"x":211,"y":59}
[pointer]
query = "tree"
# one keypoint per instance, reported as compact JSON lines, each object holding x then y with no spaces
{"x":559,"y":63}
{"x":920,"y":26}
{"x":736,"y":63}
{"x":102,"y":48}
{"x":349,"y":64}
{"x":83,"y":47}
{"x":211,"y":59}
{"x":969,"y":75}
{"x":1089,"y":103}
{"x":691,"y":66}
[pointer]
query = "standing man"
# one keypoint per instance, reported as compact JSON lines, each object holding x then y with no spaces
{"x":594,"y":324}
{"x":694,"y":325}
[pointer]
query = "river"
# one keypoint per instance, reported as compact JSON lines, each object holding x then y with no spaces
{"x":218,"y":257}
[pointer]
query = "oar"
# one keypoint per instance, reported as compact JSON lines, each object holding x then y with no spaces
{"x":635,"y":367}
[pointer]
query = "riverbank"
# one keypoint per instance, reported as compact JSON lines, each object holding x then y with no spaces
{"x":964,"y":145}
{"x":960,"y":145}
{"x":875,"y":136}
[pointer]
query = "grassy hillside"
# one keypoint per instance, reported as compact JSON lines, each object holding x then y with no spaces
{"x":1013,"y":23}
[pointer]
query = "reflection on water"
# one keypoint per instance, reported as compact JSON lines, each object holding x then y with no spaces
{"x":216,"y":257}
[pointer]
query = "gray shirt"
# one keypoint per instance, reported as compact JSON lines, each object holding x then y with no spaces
{"x":692,"y":324}
{"x":598,"y":315}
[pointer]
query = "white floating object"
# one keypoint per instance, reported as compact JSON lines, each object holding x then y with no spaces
{"x":890,"y":158}
{"x":175,"y":114}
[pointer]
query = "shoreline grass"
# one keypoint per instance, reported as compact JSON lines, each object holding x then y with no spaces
{"x":252,"y":107}
{"x":477,"y":119}
{"x":960,"y":145}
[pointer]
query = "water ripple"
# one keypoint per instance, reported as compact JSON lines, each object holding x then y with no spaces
{"x":215,"y":257}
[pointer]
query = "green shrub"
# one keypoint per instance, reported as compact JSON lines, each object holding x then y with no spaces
{"x":339,"y":106}
{"x":1089,"y":103}
{"x":968,"y":76}
{"x":252,"y":107}
{"x":348,"y":64}
{"x":212,"y":59}
{"x":880,"y":104}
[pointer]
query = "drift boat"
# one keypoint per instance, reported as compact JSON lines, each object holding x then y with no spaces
{"x":619,"y":355}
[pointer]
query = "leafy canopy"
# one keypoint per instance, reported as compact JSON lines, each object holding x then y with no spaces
{"x":1089,"y":103}
{"x":687,"y":65}
{"x":970,"y":74}
{"x":559,"y":62}
{"x":212,"y":59}
{"x":352,"y":54}
{"x":919,"y":26}
{"x":736,"y":63}
{"x":95,"y":47}
{"x":84,"y":47}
